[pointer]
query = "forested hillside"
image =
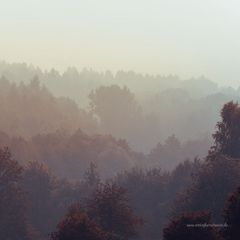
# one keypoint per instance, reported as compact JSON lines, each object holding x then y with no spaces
{"x":198,"y":198}
{"x":124,"y":166}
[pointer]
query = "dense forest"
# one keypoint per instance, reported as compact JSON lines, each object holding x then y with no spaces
{"x":97,"y":156}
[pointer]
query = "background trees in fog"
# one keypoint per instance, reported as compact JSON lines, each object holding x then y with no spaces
{"x":168,"y":104}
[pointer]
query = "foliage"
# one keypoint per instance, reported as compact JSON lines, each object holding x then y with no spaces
{"x":210,"y":187}
{"x":109,"y":207}
{"x":12,"y":202}
{"x":227,"y":136}
{"x":38,"y":183}
{"x":76,"y":225}
{"x":191,"y":226}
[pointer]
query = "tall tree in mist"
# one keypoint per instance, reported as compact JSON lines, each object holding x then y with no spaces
{"x":209,"y":188}
{"x":227,"y":136}
{"x":220,"y":174}
{"x":167,"y":155}
{"x":85,"y":188}
{"x":116,"y":107}
{"x":91,"y":176}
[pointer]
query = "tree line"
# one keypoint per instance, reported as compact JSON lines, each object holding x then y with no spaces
{"x":188,"y":202}
{"x":154,"y":107}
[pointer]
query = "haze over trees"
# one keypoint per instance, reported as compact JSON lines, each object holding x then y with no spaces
{"x":160,"y":105}
{"x":119,"y":162}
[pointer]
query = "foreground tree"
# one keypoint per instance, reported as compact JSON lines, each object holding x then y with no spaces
{"x":190,"y":226}
{"x":210,"y":188}
{"x":220,"y":173}
{"x":38,"y":184}
{"x":106,"y":216}
{"x":227,"y":135}
{"x":77,"y":226}
{"x":147,"y":193}
{"x":232,"y":216}
{"x":110,"y":209}
{"x":12,"y":208}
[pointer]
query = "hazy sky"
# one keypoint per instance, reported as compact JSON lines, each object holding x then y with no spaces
{"x":184,"y":37}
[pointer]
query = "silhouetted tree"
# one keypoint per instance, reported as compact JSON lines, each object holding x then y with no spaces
{"x":191,"y":226}
{"x":210,"y":187}
{"x":167,"y":155}
{"x":13,"y":225}
{"x":86,"y":188}
{"x":110,"y":104}
{"x":147,"y":191}
{"x":181,"y":176}
{"x":76,"y":225}
{"x":91,"y":176}
{"x":227,"y":136}
{"x":220,"y":174}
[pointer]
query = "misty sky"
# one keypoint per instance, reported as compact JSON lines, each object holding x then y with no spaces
{"x":184,"y":37}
